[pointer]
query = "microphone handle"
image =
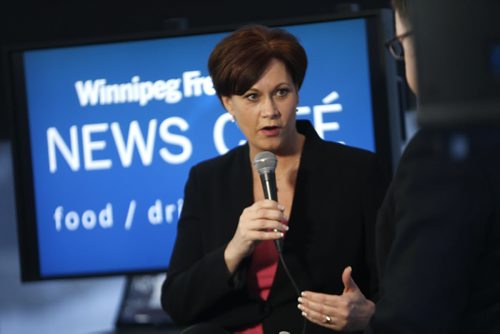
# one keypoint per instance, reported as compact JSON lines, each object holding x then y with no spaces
{"x":268,"y":180}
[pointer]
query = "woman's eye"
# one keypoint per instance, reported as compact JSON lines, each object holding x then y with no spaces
{"x":251,"y":97}
{"x":282,"y":92}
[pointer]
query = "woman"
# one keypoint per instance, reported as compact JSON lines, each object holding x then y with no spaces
{"x":225,"y":269}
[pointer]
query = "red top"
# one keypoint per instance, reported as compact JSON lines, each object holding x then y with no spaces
{"x":261,"y":276}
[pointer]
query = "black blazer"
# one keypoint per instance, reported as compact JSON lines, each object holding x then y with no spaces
{"x":338,"y":191}
{"x":438,"y":237}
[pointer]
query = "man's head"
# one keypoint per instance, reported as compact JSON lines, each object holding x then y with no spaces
{"x":403,"y":25}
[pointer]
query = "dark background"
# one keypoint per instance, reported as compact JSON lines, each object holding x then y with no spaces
{"x":29,"y":21}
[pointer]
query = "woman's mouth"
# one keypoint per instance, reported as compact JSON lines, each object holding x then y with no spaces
{"x":270,"y":131}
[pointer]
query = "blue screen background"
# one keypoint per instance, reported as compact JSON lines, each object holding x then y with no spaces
{"x":337,"y":79}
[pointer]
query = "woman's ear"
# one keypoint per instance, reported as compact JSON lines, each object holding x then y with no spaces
{"x":228,"y":104}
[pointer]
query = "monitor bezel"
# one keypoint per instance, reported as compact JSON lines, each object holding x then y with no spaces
{"x":386,"y":117}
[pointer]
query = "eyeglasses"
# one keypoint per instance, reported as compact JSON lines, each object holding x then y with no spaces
{"x":395,"y":45}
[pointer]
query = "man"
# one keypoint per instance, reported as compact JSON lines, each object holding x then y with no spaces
{"x":438,"y":244}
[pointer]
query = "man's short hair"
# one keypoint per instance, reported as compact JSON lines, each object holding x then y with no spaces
{"x":401,"y":7}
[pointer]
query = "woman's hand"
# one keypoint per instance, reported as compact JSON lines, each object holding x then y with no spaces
{"x":350,"y":311}
{"x":261,"y":221}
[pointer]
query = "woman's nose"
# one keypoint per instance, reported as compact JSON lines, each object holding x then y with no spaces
{"x":270,"y":109}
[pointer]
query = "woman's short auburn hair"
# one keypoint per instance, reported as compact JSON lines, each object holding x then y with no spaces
{"x":238,"y":61}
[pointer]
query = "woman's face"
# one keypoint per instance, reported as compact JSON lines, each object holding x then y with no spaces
{"x":266,"y":112}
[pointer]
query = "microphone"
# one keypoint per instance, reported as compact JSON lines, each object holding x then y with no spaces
{"x":265,"y":163}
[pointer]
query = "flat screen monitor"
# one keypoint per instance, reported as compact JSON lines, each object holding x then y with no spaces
{"x":105,"y":133}
{"x":459,"y":80}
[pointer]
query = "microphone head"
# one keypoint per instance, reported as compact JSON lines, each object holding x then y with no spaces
{"x":265,"y":162}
